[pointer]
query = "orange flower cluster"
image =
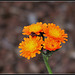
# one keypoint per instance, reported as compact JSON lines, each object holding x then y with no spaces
{"x":53,"y":37}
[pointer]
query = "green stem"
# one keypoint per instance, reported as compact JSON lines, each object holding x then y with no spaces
{"x":46,"y":63}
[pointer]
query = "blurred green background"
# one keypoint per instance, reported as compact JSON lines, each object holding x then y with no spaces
{"x":15,"y":15}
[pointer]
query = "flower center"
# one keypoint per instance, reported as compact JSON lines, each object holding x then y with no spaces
{"x":54,"y":33}
{"x":31,"y":46}
{"x":35,"y":28}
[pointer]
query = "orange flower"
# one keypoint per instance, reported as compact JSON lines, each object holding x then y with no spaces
{"x":55,"y":32}
{"x":51,"y":44}
{"x":36,"y":28}
{"x":30,"y":46}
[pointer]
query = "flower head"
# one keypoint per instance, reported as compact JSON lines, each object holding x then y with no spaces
{"x":30,"y":46}
{"x":36,"y":28}
{"x":55,"y":32}
{"x":51,"y":44}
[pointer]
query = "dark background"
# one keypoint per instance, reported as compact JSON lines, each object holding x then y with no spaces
{"x":15,"y":15}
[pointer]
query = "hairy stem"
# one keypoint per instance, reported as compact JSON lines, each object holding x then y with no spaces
{"x":46,"y":63}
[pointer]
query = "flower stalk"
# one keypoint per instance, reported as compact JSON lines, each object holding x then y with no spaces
{"x":45,"y":58}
